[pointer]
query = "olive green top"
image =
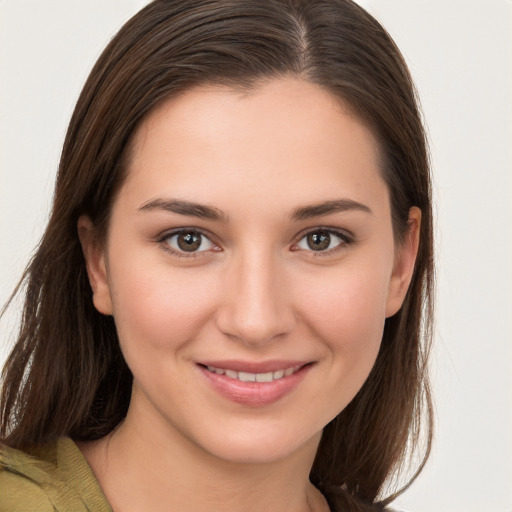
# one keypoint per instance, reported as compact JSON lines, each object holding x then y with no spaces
{"x":52,"y":478}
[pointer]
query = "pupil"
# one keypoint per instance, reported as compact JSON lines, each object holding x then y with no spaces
{"x":319,"y":241}
{"x":189,"y":242}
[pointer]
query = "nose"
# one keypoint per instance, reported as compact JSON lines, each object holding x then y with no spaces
{"x":256,"y":306}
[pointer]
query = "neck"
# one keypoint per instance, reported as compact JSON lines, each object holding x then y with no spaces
{"x":146,"y":466}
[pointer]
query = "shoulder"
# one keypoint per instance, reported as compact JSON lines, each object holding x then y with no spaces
{"x":19,"y":494}
{"x":23,"y":479}
{"x":49,"y":478}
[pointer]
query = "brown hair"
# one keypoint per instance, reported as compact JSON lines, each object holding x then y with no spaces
{"x":66,"y":374}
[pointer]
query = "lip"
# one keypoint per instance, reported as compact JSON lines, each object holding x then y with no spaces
{"x":254,"y":394}
{"x":254,"y":367}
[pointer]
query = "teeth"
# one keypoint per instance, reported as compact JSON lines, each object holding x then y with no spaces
{"x":216,"y":370}
{"x":265,"y":377}
{"x":247,"y":377}
{"x":254,"y":377}
{"x":280,"y":373}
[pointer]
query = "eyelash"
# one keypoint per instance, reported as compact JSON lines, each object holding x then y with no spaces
{"x":345,"y":240}
{"x":164,"y":242}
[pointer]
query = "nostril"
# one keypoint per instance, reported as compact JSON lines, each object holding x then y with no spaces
{"x":256,"y":326}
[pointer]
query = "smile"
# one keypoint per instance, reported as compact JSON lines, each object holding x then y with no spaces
{"x":254,"y":384}
{"x":255,"y":377}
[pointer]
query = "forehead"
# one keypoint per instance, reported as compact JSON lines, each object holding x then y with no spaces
{"x":283,"y":138}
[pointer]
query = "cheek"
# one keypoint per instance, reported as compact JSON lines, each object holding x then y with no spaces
{"x":348,"y":302}
{"x":158,"y":307}
{"x":346,"y":310}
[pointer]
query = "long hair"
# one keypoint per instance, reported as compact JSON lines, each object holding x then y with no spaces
{"x":66,"y":374}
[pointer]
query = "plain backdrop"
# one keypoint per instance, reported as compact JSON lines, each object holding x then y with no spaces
{"x":460,"y":53}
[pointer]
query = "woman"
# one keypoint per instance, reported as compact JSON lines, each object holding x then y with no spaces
{"x":230,"y":307}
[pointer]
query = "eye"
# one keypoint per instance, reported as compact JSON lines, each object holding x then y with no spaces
{"x":322,"y":240}
{"x":188,"y":241}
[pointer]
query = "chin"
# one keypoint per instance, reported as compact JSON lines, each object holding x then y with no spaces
{"x":259,"y":445}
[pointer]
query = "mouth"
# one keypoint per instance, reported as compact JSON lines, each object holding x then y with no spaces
{"x":255,"y":377}
{"x":254,"y":384}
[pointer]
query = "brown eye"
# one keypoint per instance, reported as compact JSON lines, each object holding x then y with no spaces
{"x":322,"y":240}
{"x":189,"y":241}
{"x":318,"y":241}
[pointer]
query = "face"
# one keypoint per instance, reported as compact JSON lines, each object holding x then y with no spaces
{"x":249,"y":266}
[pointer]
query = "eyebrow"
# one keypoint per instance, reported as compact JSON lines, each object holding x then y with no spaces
{"x":210,"y":213}
{"x":185,"y":208}
{"x":327,"y":208}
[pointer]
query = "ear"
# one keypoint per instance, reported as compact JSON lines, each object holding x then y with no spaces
{"x":94,"y":255}
{"x":405,"y":259}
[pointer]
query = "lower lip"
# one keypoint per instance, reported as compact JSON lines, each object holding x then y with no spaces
{"x":254,"y":393}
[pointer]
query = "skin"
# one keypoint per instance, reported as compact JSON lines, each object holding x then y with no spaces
{"x":257,"y":292}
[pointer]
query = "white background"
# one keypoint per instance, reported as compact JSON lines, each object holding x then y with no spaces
{"x":460,"y":53}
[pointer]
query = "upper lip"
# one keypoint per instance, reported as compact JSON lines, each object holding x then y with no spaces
{"x":255,"y":367}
